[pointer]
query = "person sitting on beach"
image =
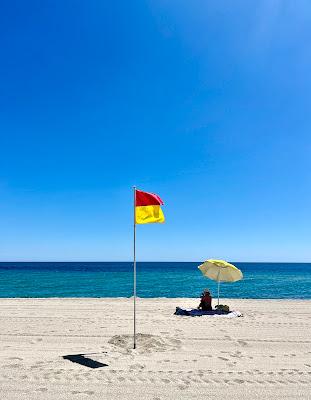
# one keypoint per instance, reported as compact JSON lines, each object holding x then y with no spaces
{"x":206,"y":301}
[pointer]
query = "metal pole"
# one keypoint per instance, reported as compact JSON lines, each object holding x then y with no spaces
{"x":218,"y":283}
{"x":218,"y":290}
{"x":134,"y":254}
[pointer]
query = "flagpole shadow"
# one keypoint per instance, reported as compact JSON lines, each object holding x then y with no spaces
{"x":85,"y":361}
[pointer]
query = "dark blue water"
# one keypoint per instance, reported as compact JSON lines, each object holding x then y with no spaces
{"x":154,"y":279}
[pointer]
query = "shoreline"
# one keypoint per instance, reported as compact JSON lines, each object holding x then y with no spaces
{"x":157,"y":297}
{"x":154,"y":298}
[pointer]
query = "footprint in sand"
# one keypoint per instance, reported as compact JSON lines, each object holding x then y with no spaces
{"x":231,"y":365}
{"x":37,"y":340}
{"x":12,"y":366}
{"x":44,"y":389}
{"x":87,"y":392}
{"x":135,"y":367}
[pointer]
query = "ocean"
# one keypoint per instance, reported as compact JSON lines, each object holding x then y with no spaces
{"x":154,"y":279}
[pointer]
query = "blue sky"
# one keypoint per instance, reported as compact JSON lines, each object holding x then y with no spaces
{"x":206,"y":103}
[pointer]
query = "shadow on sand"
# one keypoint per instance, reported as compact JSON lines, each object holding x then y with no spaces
{"x":85,"y":361}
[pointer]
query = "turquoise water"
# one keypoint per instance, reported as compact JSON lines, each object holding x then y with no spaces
{"x":163,"y":279}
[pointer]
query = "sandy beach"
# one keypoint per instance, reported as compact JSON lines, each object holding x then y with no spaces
{"x":265,"y":354}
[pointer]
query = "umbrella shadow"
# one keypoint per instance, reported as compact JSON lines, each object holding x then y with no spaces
{"x":85,"y":361}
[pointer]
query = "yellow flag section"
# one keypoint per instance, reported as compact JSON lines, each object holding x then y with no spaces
{"x":148,"y":208}
{"x":149,"y":215}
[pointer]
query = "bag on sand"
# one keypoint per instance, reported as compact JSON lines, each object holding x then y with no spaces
{"x":223,"y":307}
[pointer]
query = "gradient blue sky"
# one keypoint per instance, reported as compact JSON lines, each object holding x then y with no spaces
{"x":206,"y":103}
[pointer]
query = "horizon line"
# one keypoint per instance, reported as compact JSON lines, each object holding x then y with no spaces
{"x":167,"y":261}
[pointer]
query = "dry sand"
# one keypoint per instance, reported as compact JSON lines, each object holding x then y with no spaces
{"x":264,"y":355}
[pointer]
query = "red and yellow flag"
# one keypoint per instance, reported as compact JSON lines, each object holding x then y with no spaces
{"x":148,"y":208}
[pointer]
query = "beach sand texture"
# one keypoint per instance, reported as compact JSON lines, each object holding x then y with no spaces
{"x":264,"y":355}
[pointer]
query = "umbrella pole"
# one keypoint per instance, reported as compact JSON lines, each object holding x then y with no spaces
{"x":134,"y":280}
{"x":218,"y":280}
{"x":218,"y":290}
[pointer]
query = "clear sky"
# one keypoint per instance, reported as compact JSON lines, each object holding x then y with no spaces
{"x":206,"y":103}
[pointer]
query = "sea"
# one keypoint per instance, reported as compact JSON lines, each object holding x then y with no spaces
{"x":154,"y":279}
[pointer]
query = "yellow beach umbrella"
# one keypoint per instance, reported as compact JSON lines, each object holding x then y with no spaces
{"x":220,"y":271}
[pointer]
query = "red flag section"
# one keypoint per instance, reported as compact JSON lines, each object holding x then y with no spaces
{"x":147,"y":199}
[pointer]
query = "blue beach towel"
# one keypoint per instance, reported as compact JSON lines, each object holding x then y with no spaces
{"x":214,"y":313}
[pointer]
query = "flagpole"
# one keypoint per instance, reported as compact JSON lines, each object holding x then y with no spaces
{"x":134,"y":254}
